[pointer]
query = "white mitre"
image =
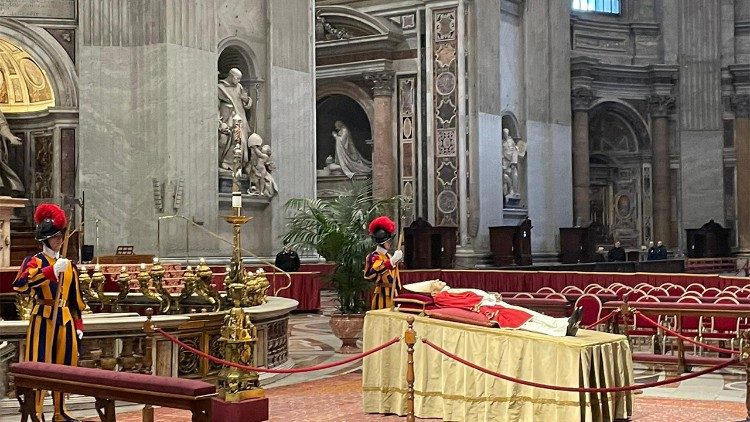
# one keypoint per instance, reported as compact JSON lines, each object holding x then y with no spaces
{"x":425,"y":287}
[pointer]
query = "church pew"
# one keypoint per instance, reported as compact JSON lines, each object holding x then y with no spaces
{"x":108,"y":386}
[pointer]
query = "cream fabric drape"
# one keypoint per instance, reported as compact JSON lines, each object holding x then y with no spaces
{"x":452,"y":391}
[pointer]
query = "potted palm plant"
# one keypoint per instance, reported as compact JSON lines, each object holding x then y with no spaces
{"x":337,"y":230}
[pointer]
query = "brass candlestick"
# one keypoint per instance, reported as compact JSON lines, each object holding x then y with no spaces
{"x":204,"y":288}
{"x":238,"y":336}
{"x":148,"y":291}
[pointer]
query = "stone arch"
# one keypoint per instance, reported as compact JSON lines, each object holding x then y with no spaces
{"x":333,"y":108}
{"x":619,"y":173}
{"x":629,"y":114}
{"x":350,"y":90}
{"x":234,"y":52}
{"x":509,"y":121}
{"x":50,"y":55}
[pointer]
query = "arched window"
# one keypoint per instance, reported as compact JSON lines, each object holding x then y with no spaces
{"x":600,"y":6}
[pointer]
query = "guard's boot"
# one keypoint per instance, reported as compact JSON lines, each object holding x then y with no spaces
{"x":573,"y":322}
{"x":60,"y":415}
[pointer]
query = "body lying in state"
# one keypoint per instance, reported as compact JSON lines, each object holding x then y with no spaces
{"x":494,"y":309}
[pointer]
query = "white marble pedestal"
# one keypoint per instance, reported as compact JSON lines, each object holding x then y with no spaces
{"x":6,"y":212}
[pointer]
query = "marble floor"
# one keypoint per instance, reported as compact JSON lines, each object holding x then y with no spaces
{"x":312,"y":343}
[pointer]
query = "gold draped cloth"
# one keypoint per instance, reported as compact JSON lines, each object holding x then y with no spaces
{"x":452,"y":391}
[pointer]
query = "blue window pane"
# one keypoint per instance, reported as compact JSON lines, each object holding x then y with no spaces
{"x":600,"y":6}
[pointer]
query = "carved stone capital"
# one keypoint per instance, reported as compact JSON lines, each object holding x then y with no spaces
{"x":382,"y":83}
{"x":741,"y":105}
{"x":661,"y":105}
{"x":581,"y":99}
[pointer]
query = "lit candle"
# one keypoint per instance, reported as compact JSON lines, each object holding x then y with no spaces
{"x":156,"y":260}
{"x":203,"y":261}
{"x":97,"y":267}
{"x":143,"y":266}
{"x":189,"y":268}
{"x":123,"y":269}
{"x":83,"y":268}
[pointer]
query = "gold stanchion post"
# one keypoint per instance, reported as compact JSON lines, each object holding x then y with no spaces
{"x":410,"y":337}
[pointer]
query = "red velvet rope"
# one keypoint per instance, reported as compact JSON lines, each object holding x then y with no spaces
{"x":578,"y":389}
{"x":688,"y":339}
{"x":603,"y":320}
{"x":220,"y":361}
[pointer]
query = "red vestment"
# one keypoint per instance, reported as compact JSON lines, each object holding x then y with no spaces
{"x":505,"y":317}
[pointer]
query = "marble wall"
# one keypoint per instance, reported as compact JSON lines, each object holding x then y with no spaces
{"x":292,"y":105}
{"x":548,"y":121}
{"x":148,"y":74}
{"x":147,"y":110}
{"x":701,"y":113}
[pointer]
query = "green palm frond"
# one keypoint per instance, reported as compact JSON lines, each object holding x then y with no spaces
{"x":337,"y":230}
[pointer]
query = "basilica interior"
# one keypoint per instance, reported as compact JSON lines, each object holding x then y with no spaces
{"x":576,"y":168}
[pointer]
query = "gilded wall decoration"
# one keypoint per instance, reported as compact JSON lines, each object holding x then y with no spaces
{"x":24,"y":86}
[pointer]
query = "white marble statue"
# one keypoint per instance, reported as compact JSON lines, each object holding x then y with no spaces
{"x":261,"y":166}
{"x":231,"y":92}
{"x":347,"y":156}
{"x":512,"y":152}
{"x":226,"y":145}
{"x":9,"y":180}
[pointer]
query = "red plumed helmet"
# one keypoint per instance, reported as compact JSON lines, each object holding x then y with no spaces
{"x":50,"y":220}
{"x":382,"y":229}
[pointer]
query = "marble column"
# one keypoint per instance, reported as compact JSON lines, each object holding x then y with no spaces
{"x":741,"y":105}
{"x":383,"y":151}
{"x":661,"y":107}
{"x":581,"y":101}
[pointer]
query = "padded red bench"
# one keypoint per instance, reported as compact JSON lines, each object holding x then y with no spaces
{"x":108,"y":386}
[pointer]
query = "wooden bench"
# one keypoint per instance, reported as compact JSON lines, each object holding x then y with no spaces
{"x":107,"y":386}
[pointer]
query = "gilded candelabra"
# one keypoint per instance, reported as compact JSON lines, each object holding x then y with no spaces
{"x":148,"y":289}
{"x":238,"y":336}
{"x":93,"y":286}
{"x":203,"y":285}
{"x":256,"y":287}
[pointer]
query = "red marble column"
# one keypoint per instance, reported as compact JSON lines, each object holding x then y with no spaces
{"x":383,"y":151}
{"x":581,"y":101}
{"x":661,"y":107}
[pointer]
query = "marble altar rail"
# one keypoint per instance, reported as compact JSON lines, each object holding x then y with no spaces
{"x":116,"y":342}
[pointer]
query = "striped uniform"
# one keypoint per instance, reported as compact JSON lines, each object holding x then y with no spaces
{"x":378,"y":268}
{"x":45,"y":343}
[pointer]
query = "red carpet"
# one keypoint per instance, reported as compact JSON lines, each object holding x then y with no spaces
{"x":340,"y":399}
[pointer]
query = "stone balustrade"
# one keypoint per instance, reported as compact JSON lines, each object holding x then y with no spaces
{"x":116,"y":342}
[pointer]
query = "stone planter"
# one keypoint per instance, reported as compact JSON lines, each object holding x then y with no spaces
{"x":348,"y":328}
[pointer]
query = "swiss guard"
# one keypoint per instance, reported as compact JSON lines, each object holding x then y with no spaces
{"x":41,"y":276}
{"x":381,"y":267}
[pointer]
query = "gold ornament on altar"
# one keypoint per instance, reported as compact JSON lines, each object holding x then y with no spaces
{"x":239,"y":336}
{"x":256,"y":287}
{"x":148,"y":289}
{"x":204,"y":287}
